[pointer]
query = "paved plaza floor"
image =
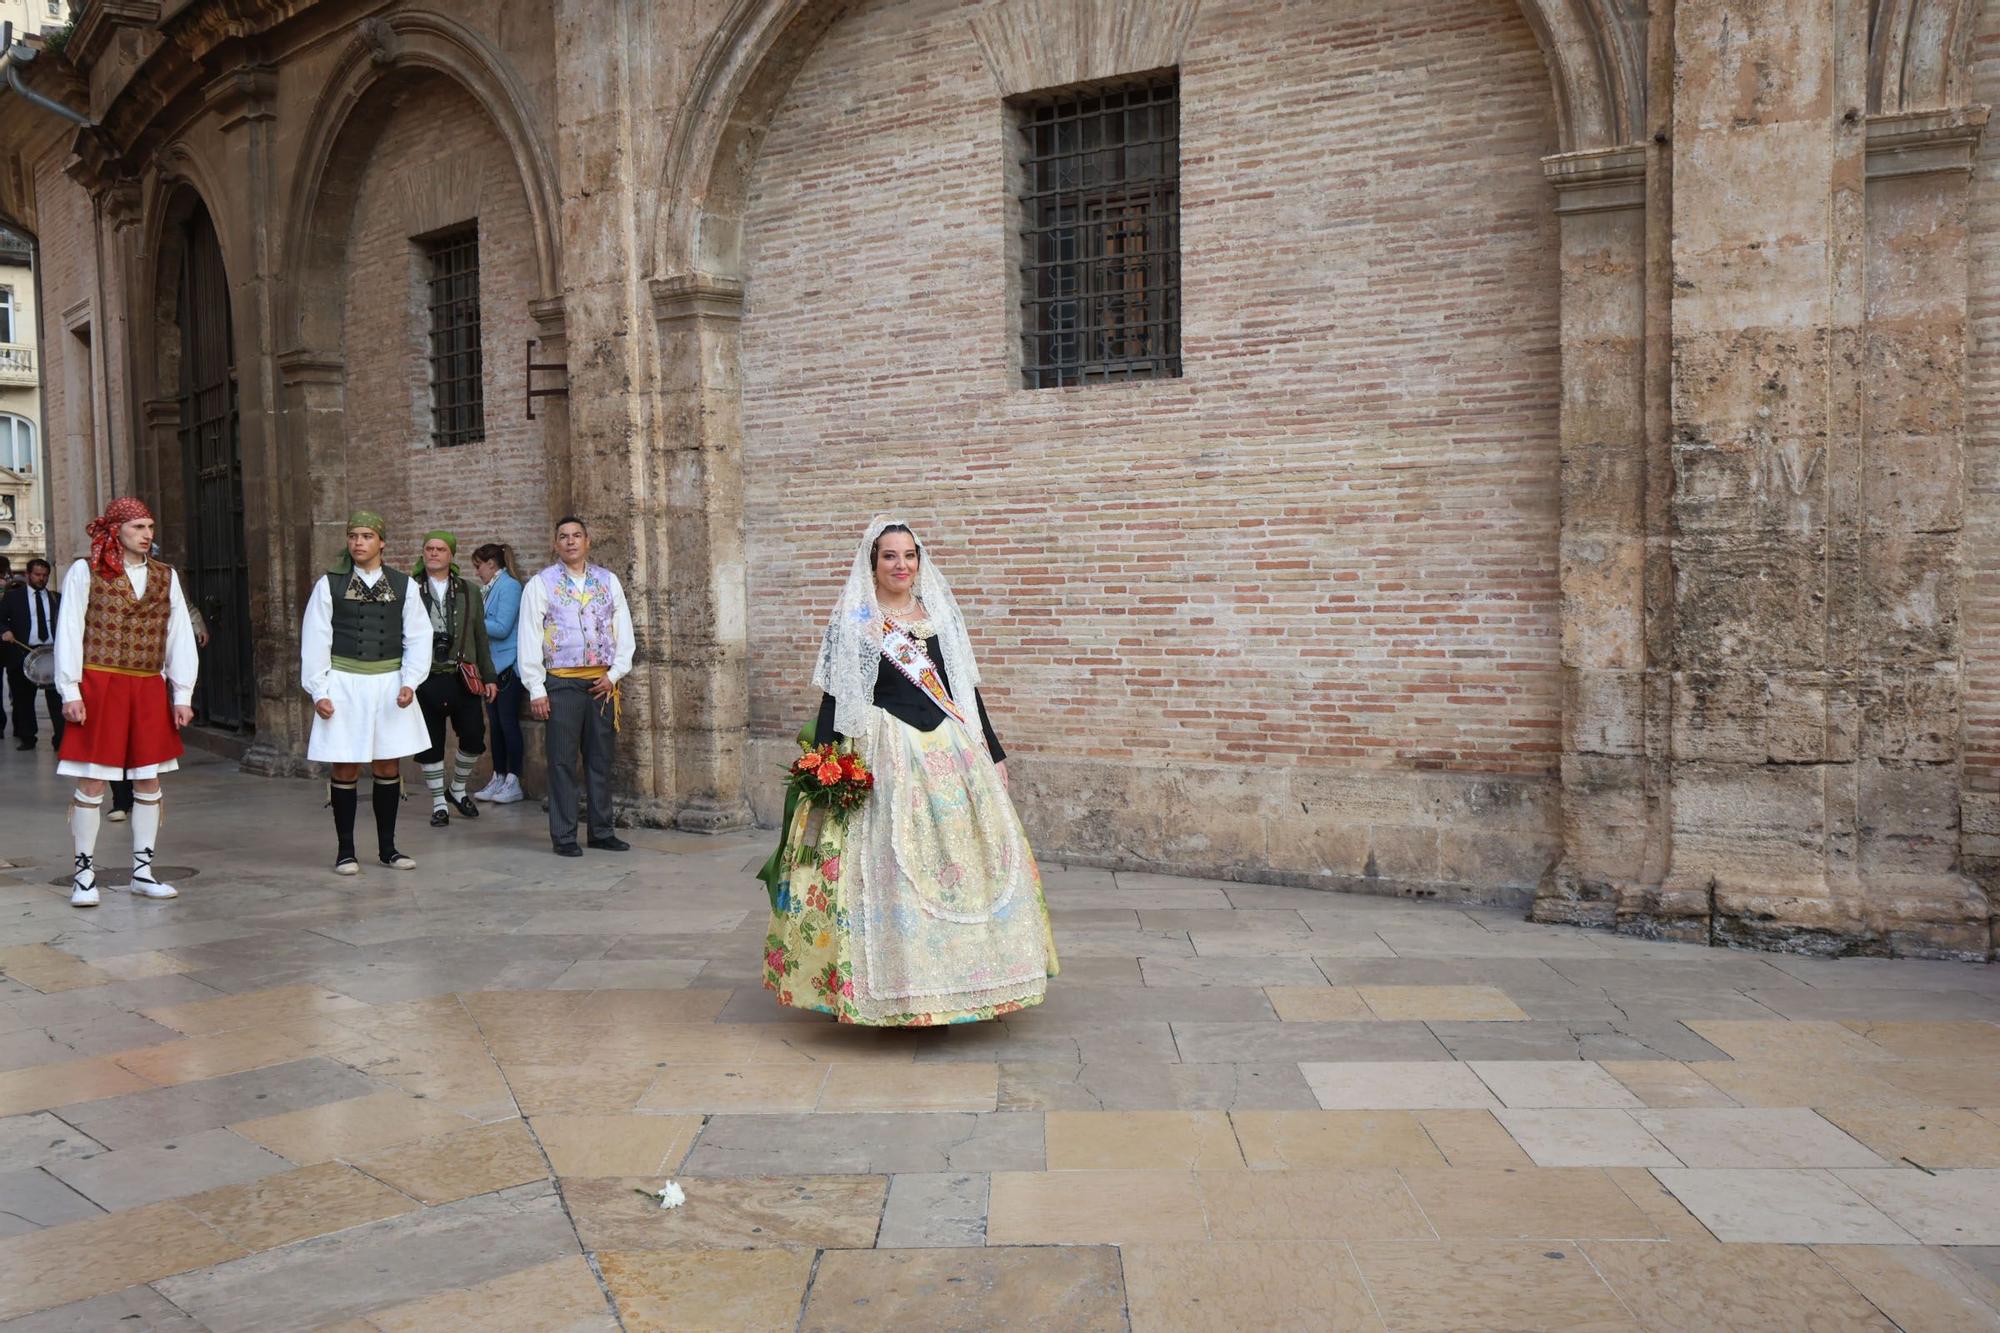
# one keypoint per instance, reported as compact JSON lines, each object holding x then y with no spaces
{"x":439,"y":1100}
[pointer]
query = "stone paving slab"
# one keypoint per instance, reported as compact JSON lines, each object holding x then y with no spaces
{"x":445,"y":1100}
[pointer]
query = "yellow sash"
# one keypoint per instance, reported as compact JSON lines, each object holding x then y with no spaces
{"x":598,"y":672}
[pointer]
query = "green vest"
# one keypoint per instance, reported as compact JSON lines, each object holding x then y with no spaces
{"x":369,"y":631}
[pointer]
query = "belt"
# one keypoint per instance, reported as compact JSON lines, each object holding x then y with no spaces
{"x":117,"y":671}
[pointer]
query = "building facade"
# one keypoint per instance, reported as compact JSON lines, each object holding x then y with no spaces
{"x":23,"y":524}
{"x":1527,"y":449}
{"x":33,"y":17}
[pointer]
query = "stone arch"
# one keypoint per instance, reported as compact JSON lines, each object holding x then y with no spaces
{"x":1917,"y":54}
{"x":1595,"y":51}
{"x":388,"y":53}
{"x":180,"y":184}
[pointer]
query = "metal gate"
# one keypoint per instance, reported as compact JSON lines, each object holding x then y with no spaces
{"x":217,"y":574}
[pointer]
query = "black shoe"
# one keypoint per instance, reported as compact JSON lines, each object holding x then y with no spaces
{"x":464,"y":806}
{"x":568,"y":849}
{"x":440,"y":818}
{"x":25,"y":743}
{"x":614,"y":843}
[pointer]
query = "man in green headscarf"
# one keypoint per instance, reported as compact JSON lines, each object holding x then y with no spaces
{"x":462,"y":678}
{"x":364,"y":648}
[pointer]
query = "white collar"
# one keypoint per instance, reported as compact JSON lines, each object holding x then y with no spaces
{"x":370,"y":577}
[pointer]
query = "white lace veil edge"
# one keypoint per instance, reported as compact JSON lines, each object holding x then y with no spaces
{"x":851,"y":653}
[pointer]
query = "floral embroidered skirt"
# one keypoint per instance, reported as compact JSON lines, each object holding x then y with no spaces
{"x":926,"y":907}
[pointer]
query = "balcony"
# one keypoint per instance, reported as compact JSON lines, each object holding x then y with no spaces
{"x":17,"y":364}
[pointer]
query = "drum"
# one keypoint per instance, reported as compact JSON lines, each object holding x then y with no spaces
{"x":39,"y":666}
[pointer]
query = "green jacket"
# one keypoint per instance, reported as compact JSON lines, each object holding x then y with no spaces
{"x":467,"y":628}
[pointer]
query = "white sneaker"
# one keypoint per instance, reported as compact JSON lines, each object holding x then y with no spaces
{"x":511,"y":792}
{"x":491,"y":789}
{"x":116,"y":817}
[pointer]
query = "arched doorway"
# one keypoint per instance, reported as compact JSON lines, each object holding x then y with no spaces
{"x":216,"y":569}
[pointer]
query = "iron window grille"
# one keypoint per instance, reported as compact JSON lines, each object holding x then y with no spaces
{"x":458,"y":378}
{"x":1100,"y":232}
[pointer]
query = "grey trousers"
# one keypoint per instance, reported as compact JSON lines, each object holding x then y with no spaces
{"x":578,"y":723}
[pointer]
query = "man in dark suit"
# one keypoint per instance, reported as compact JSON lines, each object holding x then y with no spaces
{"x":28,"y":620}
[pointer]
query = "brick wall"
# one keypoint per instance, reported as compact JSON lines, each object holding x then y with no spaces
{"x":439,"y":162}
{"x":1332,"y":543}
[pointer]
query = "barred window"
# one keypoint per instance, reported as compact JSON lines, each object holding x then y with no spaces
{"x":458,"y":381}
{"x":1100,"y":232}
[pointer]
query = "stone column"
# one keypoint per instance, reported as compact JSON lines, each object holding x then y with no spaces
{"x":552,"y":413}
{"x":700,"y":431}
{"x":1607,"y":802}
{"x":311,"y":491}
{"x":242,"y":103}
{"x":1814,"y":560}
{"x":1909,"y":489}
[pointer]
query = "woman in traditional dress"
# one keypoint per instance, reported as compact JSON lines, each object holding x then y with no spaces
{"x":926,"y":906}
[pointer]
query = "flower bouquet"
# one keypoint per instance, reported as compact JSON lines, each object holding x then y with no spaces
{"x":833,"y":783}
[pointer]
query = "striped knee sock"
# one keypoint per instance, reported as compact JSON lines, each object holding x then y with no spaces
{"x":461,"y":770}
{"x":434,"y":779}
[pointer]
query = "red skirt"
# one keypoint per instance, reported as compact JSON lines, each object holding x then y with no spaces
{"x":128,"y":722}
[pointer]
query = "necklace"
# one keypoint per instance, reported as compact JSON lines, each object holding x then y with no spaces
{"x":903,"y":610}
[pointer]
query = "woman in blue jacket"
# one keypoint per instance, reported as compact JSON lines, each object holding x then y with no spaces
{"x":503,"y":609}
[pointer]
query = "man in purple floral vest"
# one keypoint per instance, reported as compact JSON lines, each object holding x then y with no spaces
{"x":575,"y":645}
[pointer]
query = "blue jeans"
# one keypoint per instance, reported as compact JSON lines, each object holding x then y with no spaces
{"x":504,"y":735}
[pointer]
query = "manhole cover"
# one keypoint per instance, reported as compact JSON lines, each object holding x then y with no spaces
{"x":109,"y":877}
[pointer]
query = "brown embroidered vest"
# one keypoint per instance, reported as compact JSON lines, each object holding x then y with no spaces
{"x":125,"y":633}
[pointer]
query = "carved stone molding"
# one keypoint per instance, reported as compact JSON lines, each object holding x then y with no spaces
{"x":242,"y":94}
{"x":1917,"y":54}
{"x":100,"y":23}
{"x":1917,"y":143}
{"x":1030,"y":44}
{"x":1601,"y":181}
{"x":697,"y":295}
{"x":310,"y":366}
{"x":550,"y":317}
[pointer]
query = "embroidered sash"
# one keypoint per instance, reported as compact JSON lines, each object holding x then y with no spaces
{"x":906,"y":652}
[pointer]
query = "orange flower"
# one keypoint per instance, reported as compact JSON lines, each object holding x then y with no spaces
{"x":828,"y":774}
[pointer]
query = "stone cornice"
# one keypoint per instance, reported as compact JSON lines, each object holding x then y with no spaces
{"x":305,"y":365}
{"x":244,"y":92}
{"x":99,"y":24}
{"x":1601,"y":180}
{"x":549,"y":317}
{"x":696,"y":296}
{"x":1918,"y":143}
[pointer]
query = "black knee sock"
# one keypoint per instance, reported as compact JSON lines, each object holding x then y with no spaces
{"x":345,"y":801}
{"x":388,"y":793}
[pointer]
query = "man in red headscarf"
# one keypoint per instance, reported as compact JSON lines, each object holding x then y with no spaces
{"x":123,"y":637}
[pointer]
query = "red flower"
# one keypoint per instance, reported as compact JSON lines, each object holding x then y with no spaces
{"x":830,"y":868}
